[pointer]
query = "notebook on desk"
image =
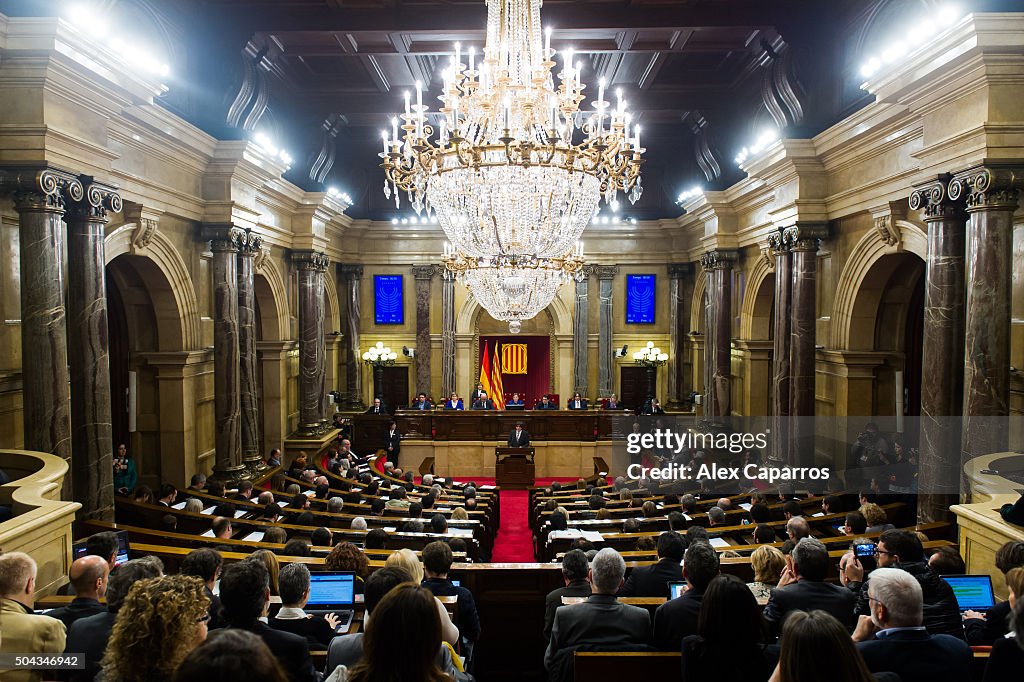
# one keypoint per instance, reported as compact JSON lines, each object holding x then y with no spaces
{"x":333,"y":592}
{"x":973,"y":592}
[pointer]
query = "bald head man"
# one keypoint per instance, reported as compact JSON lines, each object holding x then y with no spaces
{"x":23,"y":631}
{"x":88,"y":576}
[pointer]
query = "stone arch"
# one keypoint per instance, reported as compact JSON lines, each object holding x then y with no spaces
{"x":851,"y":305}
{"x":163,"y":270}
{"x":697,"y":317}
{"x":332,"y":309}
{"x":466,"y":320}
{"x":272,"y":299}
{"x":756,"y":309}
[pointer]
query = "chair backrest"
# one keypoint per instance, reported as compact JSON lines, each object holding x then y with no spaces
{"x":626,"y":665}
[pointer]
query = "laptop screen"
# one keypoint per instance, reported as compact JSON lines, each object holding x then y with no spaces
{"x":675,"y":589}
{"x":78,"y":550}
{"x":332,"y":588}
{"x":972,"y":591}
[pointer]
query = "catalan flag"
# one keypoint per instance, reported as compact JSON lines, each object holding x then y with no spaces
{"x":496,"y":384}
{"x":485,"y":372}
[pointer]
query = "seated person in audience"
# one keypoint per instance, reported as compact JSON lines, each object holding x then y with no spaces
{"x":855,"y":524}
{"x":405,"y":614}
{"x":876,"y":518}
{"x":168,"y":495}
{"x":730,"y":636}
{"x":763,"y":534}
{"x":205,"y":563}
{"x":221,"y":528}
{"x":225,"y":509}
{"x":797,"y":529}
{"x":273,"y":458}
{"x":24,"y":632}
{"x":275,"y":535}
{"x":294,"y":585}
{"x":377,"y":507}
{"x":947,"y":561}
{"x":197,"y":483}
{"x":298,"y":465}
{"x":791,"y":508}
{"x":398,"y":498}
{"x":322,"y":537}
{"x":358,"y":523}
{"x":652,"y":581}
{"x":414,"y":526}
{"x":159,"y":623}
{"x":273,"y":566}
{"x":377,"y":407}
{"x":724,"y":503}
{"x":1007,"y":659}
{"x":415,"y":510}
{"x":646,"y":544}
{"x":216,"y":488}
{"x":482,"y":402}
{"x":296,"y":547}
{"x":437,"y":561}
{"x":438,"y":524}
{"x":407,"y":560}
{"x":601,"y":623}
{"x":612,"y":403}
{"x":231,"y":655}
{"x":653,"y":407}
{"x":803,"y":587}
{"x":244,"y":492}
{"x":299,"y":502}
{"x":335,"y":505}
{"x":1013,"y":512}
{"x":677,"y":618}
{"x":88,"y":576}
{"x":759,"y":513}
{"x":577,"y":402}
{"x":695,"y":533}
{"x":813,"y":642}
{"x":688,"y":503}
{"x":676,"y":521}
{"x":143,"y":494}
{"x":716,"y":517}
{"x":831,"y":504}
{"x":422,"y":403}
{"x":984,"y":629}
{"x":244,"y":595}
{"x":768,"y":564}
{"x":902,"y":549}
{"x":545,"y":404}
{"x":574,"y":572}
{"x":376,"y":539}
{"x":519,"y":437}
{"x":454,"y":402}
{"x":88,"y":636}
{"x":629,"y":526}
{"x":193,"y":505}
{"x":892,"y":638}
{"x":347,"y":557}
{"x":650,"y":509}
{"x":516,"y":399}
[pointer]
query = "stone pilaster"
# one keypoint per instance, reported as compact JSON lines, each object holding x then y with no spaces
{"x":88,"y":350}
{"x":225,"y":242}
{"x":352,"y":276}
{"x":718,"y":347}
{"x":581,"y":335}
{"x":40,"y":196}
{"x":251,"y":244}
{"x":942,"y":350}
{"x":679,"y":327}
{"x":780,"y":353}
{"x":605,"y":278}
{"x":447,"y":334}
{"x":311,"y":266}
{"x":423,"y":275}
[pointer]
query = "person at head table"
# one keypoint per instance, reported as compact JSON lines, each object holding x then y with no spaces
{"x":377,"y":407}
{"x":477,"y":392}
{"x":514,"y":400}
{"x":422,"y":403}
{"x":577,"y":402}
{"x":545,"y":404}
{"x":454,"y":402}
{"x":612,"y":403}
{"x":483,"y":402}
{"x":520,"y":437}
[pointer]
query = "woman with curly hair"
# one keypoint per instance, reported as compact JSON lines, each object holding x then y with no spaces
{"x":347,"y":557}
{"x":159,"y":623}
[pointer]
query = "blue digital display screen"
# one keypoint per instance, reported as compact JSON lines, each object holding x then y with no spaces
{"x":389,"y":304}
{"x":640,"y":299}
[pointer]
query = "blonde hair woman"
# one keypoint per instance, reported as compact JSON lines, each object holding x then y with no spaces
{"x":768,"y":563}
{"x":407,"y":559}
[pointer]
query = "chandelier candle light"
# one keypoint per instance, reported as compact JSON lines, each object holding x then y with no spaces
{"x":650,"y":358}
{"x":379,"y":357}
{"x":515,"y":169}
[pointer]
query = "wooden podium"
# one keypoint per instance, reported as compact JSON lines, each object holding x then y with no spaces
{"x":514,"y":467}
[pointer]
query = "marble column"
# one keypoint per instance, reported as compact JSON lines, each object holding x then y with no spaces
{"x":447,"y":334}
{"x":991,"y":193}
{"x":679,"y":327}
{"x":803,"y":240}
{"x":605,"y":278}
{"x":248,"y":390}
{"x":352,"y":275}
{"x":942,"y":349}
{"x":581,"y":336}
{"x":780,"y":353}
{"x":40,"y":196}
{"x":422,"y":275}
{"x":718,"y":349}
{"x":225,"y":242}
{"x":88,"y":351}
{"x":311,"y":266}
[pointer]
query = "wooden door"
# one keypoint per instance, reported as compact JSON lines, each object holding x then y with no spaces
{"x":396,"y":387}
{"x":632,"y":386}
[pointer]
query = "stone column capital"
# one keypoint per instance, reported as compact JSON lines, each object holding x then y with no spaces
{"x":805,"y":236}
{"x":776,"y":242}
{"x":426,"y":272}
{"x":310,"y":260}
{"x":351,"y":271}
{"x":40,"y":189}
{"x":606,"y":271}
{"x":97,"y":199}
{"x":251,"y":243}
{"x":719,"y":259}
{"x":991,"y":185}
{"x":679,"y":270}
{"x":931,"y":198}
{"x":223,"y":237}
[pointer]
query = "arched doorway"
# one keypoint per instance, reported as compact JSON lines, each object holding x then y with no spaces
{"x":753,"y":387}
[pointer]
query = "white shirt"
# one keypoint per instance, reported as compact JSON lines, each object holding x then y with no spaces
{"x":290,"y":613}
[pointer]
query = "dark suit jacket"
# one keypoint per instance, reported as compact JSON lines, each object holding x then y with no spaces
{"x":483,"y":404}
{"x":675,"y":619}
{"x":524,"y":439}
{"x":572,"y":405}
{"x":422,"y":406}
{"x":541,"y":406}
{"x":652,"y":581}
{"x":375,"y":410}
{"x":80,"y":607}
{"x":1006,"y":661}
{"x":393,"y":441}
{"x":577,"y":588}
{"x":985,"y":632}
{"x":941,"y":611}
{"x":752,"y":663}
{"x":89,"y":636}
{"x":916,"y":656}
{"x":601,"y":623}
{"x":469,"y":617}
{"x":291,"y":652}
{"x":805,"y":595}
{"x":317,"y":632}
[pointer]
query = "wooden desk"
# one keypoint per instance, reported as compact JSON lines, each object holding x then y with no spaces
{"x":514,"y":468}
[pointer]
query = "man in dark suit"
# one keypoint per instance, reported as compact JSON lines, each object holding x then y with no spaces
{"x":393,"y":443}
{"x":677,"y":618}
{"x":422,"y":403}
{"x":377,"y":407}
{"x":482,"y":402}
{"x":652,"y":581}
{"x":574,"y":571}
{"x":477,"y":392}
{"x":519,"y":438}
{"x":577,"y":402}
{"x":245,"y":594}
{"x":205,"y":563}
{"x":88,"y":575}
{"x":601,"y":623}
{"x":653,"y":407}
{"x":545,"y":404}
{"x":892,"y":638}
{"x":89,"y":635}
{"x":984,"y":629}
{"x":803,"y":588}
{"x":293,"y":584}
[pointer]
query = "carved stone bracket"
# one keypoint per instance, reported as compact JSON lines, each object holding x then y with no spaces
{"x":310,"y":260}
{"x":989,"y":186}
{"x":350,"y":272}
{"x":885,"y":217}
{"x":719,"y":259}
{"x":146,"y":222}
{"x":260,"y":258}
{"x":805,"y":236}
{"x":41,"y":188}
{"x":606,"y":271}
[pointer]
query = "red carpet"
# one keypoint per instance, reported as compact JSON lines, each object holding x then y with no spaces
{"x":514,"y":543}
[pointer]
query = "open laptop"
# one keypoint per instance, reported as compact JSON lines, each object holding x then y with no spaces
{"x":973,"y":592}
{"x":333,"y":592}
{"x":675,"y":589}
{"x":78,"y":549}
